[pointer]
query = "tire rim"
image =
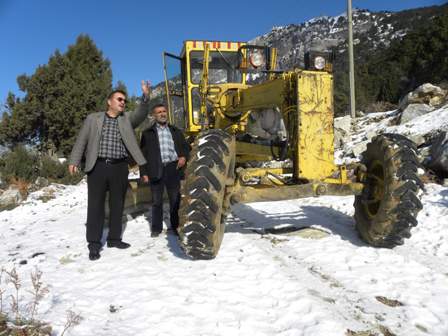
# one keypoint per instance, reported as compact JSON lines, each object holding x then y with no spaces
{"x":375,"y":189}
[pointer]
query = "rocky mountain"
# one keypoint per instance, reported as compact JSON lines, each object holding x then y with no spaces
{"x":394,"y":52}
{"x":372,"y":31}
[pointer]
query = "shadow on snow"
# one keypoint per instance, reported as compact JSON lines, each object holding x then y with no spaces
{"x":248,"y":220}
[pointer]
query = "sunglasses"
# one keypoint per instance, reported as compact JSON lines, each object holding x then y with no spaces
{"x":120,"y":99}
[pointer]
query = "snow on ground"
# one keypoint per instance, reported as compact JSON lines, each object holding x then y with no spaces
{"x":260,"y":284}
{"x":373,"y":124}
{"x":424,"y":124}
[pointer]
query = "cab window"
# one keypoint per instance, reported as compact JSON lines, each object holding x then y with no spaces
{"x":223,"y":67}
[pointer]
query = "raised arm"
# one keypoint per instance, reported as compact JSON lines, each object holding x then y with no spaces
{"x":137,"y":117}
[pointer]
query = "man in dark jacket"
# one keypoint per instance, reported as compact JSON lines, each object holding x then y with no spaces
{"x":166,"y":153}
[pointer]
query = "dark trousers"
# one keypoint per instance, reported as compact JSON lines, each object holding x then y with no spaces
{"x":171,"y":181}
{"x":105,"y":177}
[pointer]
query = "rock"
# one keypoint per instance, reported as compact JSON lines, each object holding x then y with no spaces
{"x":430,"y":89}
{"x":340,"y":138}
{"x":418,"y":139}
{"x":436,"y":101}
{"x":37,"y":254}
{"x":47,"y":193}
{"x":342,"y":131}
{"x":413,"y":111}
{"x":343,"y":123}
{"x":438,"y":160}
{"x":370,"y":134}
{"x":360,"y":148}
{"x":406,"y":100}
{"x":424,"y":94}
{"x":424,"y":153}
{"x":41,"y":182}
{"x":10,"y":198}
{"x":357,"y":149}
{"x":388,"y":302}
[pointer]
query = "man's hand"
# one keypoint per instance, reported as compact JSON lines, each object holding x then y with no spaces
{"x":72,"y":169}
{"x":145,"y":179}
{"x":146,"y":88}
{"x":181,"y":162}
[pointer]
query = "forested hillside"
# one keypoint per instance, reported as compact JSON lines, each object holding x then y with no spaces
{"x":393,"y":51}
{"x":420,"y":57}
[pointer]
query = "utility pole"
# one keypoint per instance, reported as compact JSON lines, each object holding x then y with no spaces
{"x":350,"y":59}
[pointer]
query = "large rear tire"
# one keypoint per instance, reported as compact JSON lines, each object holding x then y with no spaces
{"x":202,"y":207}
{"x":387,"y":209}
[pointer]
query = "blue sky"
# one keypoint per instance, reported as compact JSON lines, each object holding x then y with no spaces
{"x":133,"y":34}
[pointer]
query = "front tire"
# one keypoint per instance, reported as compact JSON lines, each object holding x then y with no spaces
{"x":202,"y":209}
{"x":387,"y":209}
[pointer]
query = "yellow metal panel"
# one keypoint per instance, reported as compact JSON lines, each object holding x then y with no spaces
{"x":214,"y":45}
{"x":269,"y":94}
{"x":315,"y":107}
{"x":247,"y":151}
{"x":188,"y":108}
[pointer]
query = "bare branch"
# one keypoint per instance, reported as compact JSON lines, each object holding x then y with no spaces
{"x":73,"y":319}
{"x":15,"y":280}
{"x":2,"y":291}
{"x":38,"y":292}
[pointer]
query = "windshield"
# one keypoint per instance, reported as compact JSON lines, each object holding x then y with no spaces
{"x":173,"y":77}
{"x":222,"y":67}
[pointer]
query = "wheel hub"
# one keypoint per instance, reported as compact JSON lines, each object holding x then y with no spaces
{"x":375,"y":189}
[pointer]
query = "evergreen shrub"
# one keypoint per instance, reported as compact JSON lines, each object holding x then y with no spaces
{"x":19,"y":164}
{"x":55,"y":171}
{"x":23,"y":165}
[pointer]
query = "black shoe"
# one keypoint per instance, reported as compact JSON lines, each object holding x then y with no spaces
{"x":118,"y":244}
{"x":155,"y":234}
{"x":94,"y":255}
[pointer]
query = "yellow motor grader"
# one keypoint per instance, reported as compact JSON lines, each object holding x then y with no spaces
{"x":241,"y":114}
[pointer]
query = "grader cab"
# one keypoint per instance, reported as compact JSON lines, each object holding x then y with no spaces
{"x":241,"y":113}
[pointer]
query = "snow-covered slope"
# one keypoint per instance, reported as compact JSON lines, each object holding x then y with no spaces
{"x":260,"y":283}
{"x":372,"y":31}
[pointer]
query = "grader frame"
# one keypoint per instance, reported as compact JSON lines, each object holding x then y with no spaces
{"x":209,"y":97}
{"x":305,"y":99}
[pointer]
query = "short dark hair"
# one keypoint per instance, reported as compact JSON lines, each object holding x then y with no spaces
{"x":156,"y":106}
{"x":116,"y":91}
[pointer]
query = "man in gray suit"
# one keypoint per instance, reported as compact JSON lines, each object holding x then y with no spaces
{"x":107,"y":139}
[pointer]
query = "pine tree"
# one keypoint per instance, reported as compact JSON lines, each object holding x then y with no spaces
{"x":121,"y":86}
{"x":59,"y":95}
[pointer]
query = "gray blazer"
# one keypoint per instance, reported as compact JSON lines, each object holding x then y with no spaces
{"x":89,"y":136}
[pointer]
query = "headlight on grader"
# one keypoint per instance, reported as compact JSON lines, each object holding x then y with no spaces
{"x":319,"y":60}
{"x":256,"y":58}
{"x":319,"y":63}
